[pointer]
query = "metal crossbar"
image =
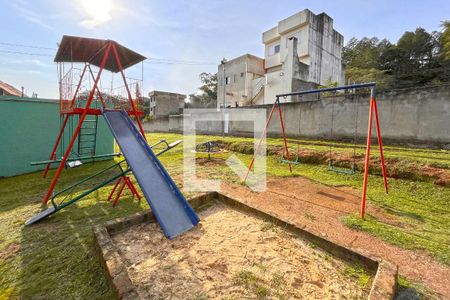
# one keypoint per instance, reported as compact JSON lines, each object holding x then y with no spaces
{"x":373,"y":114}
{"x":58,"y":206}
{"x":338,"y":88}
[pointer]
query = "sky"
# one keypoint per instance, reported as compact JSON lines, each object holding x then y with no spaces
{"x":181,"y":39}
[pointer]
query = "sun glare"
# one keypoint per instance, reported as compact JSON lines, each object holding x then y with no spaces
{"x":98,"y":10}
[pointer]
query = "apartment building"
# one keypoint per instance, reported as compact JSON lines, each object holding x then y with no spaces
{"x":236,"y":80}
{"x":163,"y":104}
{"x":315,"y":58}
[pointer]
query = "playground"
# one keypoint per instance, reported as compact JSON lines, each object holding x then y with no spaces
{"x":394,"y":228}
{"x":336,"y":220}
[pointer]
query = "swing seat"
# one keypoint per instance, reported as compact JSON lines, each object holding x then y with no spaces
{"x":290,"y":162}
{"x":332,"y":168}
{"x":73,"y":164}
{"x":42,"y":215}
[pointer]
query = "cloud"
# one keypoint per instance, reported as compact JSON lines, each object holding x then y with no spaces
{"x":31,"y":15}
{"x":146,"y":15}
{"x":97,"y":11}
{"x":27,"y":62}
{"x":91,"y":23}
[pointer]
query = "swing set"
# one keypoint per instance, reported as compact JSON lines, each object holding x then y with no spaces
{"x":331,"y":164}
{"x":373,"y":111}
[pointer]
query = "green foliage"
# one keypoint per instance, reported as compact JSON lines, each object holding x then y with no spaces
{"x":252,"y":282}
{"x":418,"y":58}
{"x":359,"y":273}
{"x":245,"y":277}
{"x":54,"y":259}
{"x":362,"y":53}
{"x":405,"y":236}
{"x":356,"y":74}
{"x":416,"y":50}
{"x":445,"y":41}
{"x":207,"y":95}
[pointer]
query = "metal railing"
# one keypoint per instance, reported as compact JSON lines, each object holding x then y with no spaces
{"x":258,"y":87}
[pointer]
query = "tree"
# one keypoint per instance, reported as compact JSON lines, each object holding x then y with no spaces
{"x":418,"y":58}
{"x":417,"y":50}
{"x":207,"y":93}
{"x":366,"y":60}
{"x":361,"y":53}
{"x":445,"y":41}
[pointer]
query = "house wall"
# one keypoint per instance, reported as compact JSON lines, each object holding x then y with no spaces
{"x":325,"y":50}
{"x":295,"y":25}
{"x":241,"y":71}
{"x":319,"y":47}
{"x":411,"y":116}
{"x":29,"y":129}
{"x":319,"y":50}
{"x":163,"y":104}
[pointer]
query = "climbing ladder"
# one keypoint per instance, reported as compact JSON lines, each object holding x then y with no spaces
{"x":87,"y":138}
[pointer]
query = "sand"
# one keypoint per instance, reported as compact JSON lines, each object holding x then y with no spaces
{"x":231,"y":255}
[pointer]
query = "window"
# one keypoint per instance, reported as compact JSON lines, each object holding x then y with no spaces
{"x":242,"y":74}
{"x":227,"y":80}
{"x":274,"y":49}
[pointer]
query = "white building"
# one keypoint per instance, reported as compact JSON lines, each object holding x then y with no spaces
{"x":316,"y":58}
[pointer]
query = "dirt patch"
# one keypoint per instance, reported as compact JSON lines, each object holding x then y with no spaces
{"x":207,"y":162}
{"x":10,"y":250}
{"x":319,"y":209}
{"x":231,"y":255}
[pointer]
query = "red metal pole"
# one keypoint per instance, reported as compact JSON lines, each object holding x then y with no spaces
{"x":77,"y":130}
{"x":367,"y":160}
{"x":114,"y":188}
{"x":119,"y":64}
{"x":380,"y":144}
{"x":55,"y":147}
{"x":284,"y":136}
{"x":120,"y":192}
{"x":260,"y":140}
{"x":132,"y":188}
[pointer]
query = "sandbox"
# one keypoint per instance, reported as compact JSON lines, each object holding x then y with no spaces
{"x":236,"y":252}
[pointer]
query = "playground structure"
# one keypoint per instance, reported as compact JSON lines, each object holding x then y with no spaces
{"x":170,"y":207}
{"x":209,"y":147}
{"x":373,"y":111}
{"x":82,"y":96}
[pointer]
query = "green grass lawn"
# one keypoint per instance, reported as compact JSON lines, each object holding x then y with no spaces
{"x":56,"y":258}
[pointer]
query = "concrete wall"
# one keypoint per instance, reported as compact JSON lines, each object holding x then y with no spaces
{"x":417,"y":116}
{"x":29,"y":129}
{"x":157,"y":125}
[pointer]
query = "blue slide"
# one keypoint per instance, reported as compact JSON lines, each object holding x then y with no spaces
{"x":172,"y":211}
